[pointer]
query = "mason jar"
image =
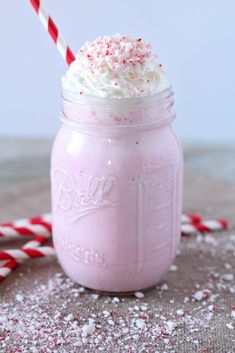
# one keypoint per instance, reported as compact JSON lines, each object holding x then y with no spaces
{"x":116,"y":177}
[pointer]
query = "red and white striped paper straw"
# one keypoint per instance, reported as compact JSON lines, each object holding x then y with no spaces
{"x":40,"y":225}
{"x":26,"y":253}
{"x":36,"y":242}
{"x":204,"y":227}
{"x":190,"y":218}
{"x":53,"y":31}
{"x":9,"y":266}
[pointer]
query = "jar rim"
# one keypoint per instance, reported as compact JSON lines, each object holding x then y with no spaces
{"x":118,"y":112}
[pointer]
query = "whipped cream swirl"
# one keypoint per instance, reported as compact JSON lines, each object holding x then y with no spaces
{"x":114,"y":67}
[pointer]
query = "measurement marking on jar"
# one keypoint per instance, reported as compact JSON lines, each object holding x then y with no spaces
{"x":161,"y":245}
{"x":140,"y":235}
{"x":161,"y":206}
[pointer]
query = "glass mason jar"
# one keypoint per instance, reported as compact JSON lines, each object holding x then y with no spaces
{"x":116,"y":176}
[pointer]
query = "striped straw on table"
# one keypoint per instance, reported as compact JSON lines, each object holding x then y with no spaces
{"x":40,"y":225}
{"x":190,"y":218}
{"x":11,"y":265}
{"x":204,"y":227}
{"x":26,"y":253}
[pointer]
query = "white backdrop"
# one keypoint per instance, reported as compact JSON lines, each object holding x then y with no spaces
{"x":195,"y":41}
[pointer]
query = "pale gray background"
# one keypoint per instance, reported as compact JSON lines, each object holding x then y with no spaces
{"x":195,"y":41}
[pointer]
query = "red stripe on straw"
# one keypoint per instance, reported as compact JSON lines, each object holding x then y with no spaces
{"x":35,"y":4}
{"x":32,"y":252}
{"x":195,"y":218}
{"x":201,"y":227}
{"x":52,"y":29}
{"x":224,"y":223}
{"x":5,"y":256}
{"x":37,"y":221}
{"x":22,"y":230}
{"x":12,"y":265}
{"x":69,"y":56}
{"x":40,"y":239}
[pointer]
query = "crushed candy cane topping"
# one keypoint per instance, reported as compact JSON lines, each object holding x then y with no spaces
{"x":114,"y":67}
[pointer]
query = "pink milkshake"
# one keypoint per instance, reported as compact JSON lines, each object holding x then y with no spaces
{"x":116,"y":168}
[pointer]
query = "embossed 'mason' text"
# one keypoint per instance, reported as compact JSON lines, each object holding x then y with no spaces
{"x":80,"y":254}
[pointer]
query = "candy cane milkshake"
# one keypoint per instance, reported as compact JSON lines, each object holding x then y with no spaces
{"x":116,"y":168}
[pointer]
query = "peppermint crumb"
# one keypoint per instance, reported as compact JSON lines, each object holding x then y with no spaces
{"x":230,"y":326}
{"x":180,"y":312}
{"x":95,"y":296}
{"x":228,"y":277}
{"x":233,"y":314}
{"x":171,"y":325}
{"x":198,"y":295}
{"x":111,"y":322}
{"x":140,"y":323}
{"x":232,"y":238}
{"x":77,"y":344}
{"x":88,"y":329}
{"x":144,"y":307}
{"x":81,"y":290}
{"x":227,"y":266}
{"x":139,"y":295}
{"x":164,"y":287}
{"x":116,"y":300}
{"x":211,"y":307}
{"x":70,"y":317}
{"x":106,"y":313}
{"x":57,"y":315}
{"x":173,"y":268}
{"x":186,"y":300}
{"x":19,"y":297}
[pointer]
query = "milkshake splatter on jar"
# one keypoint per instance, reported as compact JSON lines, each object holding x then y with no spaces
{"x":116,"y":168}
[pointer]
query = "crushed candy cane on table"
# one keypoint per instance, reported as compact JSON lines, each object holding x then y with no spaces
{"x":188,"y":308}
